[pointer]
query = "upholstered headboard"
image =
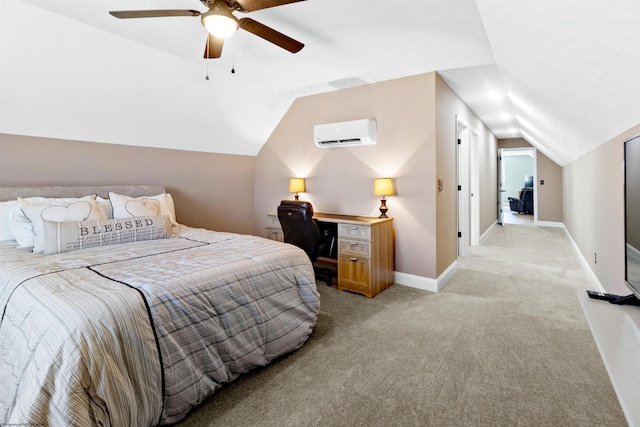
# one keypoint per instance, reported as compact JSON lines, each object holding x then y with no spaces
{"x":12,"y":193}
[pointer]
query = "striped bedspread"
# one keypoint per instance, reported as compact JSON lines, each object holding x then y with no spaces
{"x":138,"y":334}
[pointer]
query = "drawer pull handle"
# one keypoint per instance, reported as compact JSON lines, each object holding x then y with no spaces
{"x":354,"y":227}
{"x":353,"y":258}
{"x":353,"y":243}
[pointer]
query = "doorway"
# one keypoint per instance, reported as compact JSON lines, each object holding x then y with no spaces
{"x":518,"y":171}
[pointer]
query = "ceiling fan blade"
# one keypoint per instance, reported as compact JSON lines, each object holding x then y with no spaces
{"x":125,"y":14}
{"x":251,"y":5}
{"x":270,"y":35}
{"x":213,"y":48}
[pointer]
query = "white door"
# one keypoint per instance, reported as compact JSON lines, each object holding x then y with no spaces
{"x":501,"y":190}
{"x":462,"y":133}
{"x":474,"y":178}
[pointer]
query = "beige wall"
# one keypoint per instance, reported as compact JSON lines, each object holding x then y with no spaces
{"x":450,"y":107}
{"x":210,"y":190}
{"x":550,"y":208}
{"x":341,"y":179}
{"x":550,"y":194}
{"x":416,"y":144}
{"x":594,"y":209}
{"x":488,"y":160}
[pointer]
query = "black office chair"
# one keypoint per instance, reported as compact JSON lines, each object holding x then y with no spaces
{"x":524,"y":203}
{"x":301,"y":230}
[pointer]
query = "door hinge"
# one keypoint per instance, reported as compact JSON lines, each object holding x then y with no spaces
{"x":459,"y":233}
{"x":459,"y":187}
{"x":459,"y":141}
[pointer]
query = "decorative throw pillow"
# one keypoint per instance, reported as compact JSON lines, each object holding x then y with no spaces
{"x":80,"y":210}
{"x":105,"y":207}
{"x":62,"y":237}
{"x":126,"y":206}
{"x":21,"y":226}
{"x":6,"y":217}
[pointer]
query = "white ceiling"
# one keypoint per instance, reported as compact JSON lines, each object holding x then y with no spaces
{"x":560,"y":73}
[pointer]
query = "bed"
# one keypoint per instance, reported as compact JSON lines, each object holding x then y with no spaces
{"x":139,"y":333}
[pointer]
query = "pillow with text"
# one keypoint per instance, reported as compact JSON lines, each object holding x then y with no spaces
{"x":62,"y":237}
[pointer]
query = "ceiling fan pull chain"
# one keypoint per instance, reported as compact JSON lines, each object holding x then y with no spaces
{"x":207,"y":62}
{"x":233,"y":55}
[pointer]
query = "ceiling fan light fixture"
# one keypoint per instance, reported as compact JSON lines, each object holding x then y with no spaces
{"x":219,"y":22}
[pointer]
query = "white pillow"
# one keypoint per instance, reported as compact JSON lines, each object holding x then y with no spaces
{"x":172,"y":208}
{"x":21,"y":227}
{"x":125,"y":206}
{"x":6,"y":218}
{"x":79,"y":210}
{"x":62,"y":237}
{"x":105,"y":207}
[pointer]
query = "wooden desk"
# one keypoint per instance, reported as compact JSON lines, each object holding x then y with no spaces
{"x":365,"y":258}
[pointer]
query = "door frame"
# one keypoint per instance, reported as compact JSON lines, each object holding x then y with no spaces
{"x":534,"y":154}
{"x":462,"y":173}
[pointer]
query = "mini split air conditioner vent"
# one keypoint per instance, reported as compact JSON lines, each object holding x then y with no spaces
{"x":345,"y":134}
{"x":351,"y":141}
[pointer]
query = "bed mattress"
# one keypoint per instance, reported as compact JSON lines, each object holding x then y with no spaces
{"x":138,"y":334}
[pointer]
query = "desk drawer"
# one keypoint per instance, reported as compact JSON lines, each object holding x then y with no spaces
{"x":273,"y":221}
{"x":275,"y":234}
{"x":352,"y":230}
{"x":354,"y":274}
{"x":354,"y":247}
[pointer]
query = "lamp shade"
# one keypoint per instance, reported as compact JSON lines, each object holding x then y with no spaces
{"x":296,"y":185}
{"x":383,"y":187}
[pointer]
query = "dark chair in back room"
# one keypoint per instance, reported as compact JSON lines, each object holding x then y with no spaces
{"x":300,"y":229}
{"x":523,"y":204}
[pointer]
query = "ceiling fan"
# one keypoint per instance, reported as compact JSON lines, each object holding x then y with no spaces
{"x":221,"y":23}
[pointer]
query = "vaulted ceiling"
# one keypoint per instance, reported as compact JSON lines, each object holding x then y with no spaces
{"x":563,"y":74}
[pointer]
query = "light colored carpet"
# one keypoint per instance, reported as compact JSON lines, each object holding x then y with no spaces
{"x":505,"y":344}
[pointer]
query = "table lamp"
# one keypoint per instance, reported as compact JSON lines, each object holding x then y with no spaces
{"x":383,"y":187}
{"x":296,"y":185}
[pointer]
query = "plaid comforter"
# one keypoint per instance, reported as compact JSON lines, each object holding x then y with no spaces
{"x":139,"y":334}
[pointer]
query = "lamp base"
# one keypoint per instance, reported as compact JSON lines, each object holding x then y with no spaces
{"x":383,"y":209}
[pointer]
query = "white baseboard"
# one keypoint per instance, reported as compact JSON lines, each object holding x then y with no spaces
{"x":413,"y":281}
{"x":426,"y":283}
{"x":585,"y":264}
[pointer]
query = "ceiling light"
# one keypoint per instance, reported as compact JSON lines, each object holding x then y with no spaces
{"x":219,"y":22}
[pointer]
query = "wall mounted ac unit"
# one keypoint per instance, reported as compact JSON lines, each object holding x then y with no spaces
{"x":345,"y":134}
